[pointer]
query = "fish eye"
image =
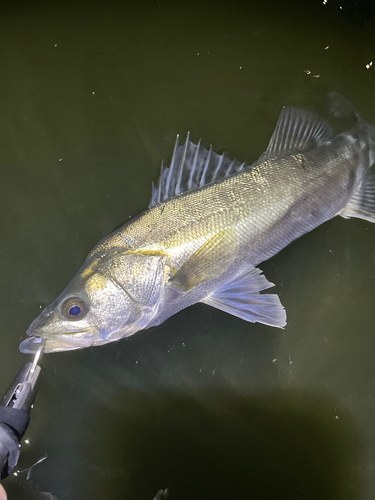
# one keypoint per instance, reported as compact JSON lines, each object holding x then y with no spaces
{"x":74,"y":308}
{"x":75,"y":311}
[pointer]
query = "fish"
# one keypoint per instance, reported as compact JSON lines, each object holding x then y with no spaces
{"x":210,"y":222}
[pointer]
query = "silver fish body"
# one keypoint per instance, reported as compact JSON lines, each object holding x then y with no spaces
{"x":206,"y":231}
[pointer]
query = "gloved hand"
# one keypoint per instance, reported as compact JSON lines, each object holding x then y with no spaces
{"x":14,"y":414}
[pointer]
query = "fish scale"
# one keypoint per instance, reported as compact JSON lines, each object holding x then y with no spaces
{"x":244,"y":202}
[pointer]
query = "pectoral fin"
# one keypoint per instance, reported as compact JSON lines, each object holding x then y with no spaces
{"x":241,"y":297}
{"x":362,"y":203}
{"x":208,"y":262}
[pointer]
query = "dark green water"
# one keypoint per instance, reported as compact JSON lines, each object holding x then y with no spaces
{"x":206,"y":405}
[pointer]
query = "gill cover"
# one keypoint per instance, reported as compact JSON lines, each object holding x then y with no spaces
{"x":140,"y":275}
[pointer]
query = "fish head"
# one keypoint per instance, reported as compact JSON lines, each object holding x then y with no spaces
{"x":111,"y":297}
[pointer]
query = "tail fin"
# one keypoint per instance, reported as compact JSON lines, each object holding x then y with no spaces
{"x":342,"y":108}
{"x":362,"y":203}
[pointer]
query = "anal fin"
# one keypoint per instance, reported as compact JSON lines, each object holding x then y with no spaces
{"x":362,"y":203}
{"x":241,"y":297}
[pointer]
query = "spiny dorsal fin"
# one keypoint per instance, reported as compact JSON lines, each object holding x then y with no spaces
{"x":297,"y":130}
{"x":192,"y":166}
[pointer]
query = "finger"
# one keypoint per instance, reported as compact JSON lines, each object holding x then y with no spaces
{"x":3,"y":495}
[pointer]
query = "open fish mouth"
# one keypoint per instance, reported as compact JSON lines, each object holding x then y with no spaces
{"x":60,"y":342}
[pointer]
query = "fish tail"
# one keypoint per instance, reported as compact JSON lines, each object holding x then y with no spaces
{"x":342,"y":108}
{"x":362,"y":202}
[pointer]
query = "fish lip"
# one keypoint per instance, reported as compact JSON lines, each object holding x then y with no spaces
{"x":57,"y":342}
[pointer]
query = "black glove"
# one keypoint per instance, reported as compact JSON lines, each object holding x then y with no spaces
{"x":14,"y":416}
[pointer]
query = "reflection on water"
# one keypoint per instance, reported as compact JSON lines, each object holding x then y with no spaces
{"x":206,"y":405}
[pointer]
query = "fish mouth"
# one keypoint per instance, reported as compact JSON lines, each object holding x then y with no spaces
{"x":58,"y":342}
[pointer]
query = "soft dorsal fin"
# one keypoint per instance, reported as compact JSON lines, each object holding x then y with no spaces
{"x":192,"y":166}
{"x":297,"y":130}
